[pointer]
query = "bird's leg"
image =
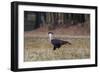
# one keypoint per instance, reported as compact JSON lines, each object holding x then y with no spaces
{"x":54,"y":48}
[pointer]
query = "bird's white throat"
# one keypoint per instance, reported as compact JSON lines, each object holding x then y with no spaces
{"x":50,"y":37}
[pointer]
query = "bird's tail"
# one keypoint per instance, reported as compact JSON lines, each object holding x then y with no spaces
{"x":66,"y":42}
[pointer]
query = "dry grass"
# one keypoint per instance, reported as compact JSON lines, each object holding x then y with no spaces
{"x":40,"y":49}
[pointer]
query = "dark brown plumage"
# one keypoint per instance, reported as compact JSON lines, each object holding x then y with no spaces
{"x":58,"y":43}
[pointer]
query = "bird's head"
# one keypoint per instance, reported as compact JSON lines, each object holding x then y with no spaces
{"x":50,"y":35}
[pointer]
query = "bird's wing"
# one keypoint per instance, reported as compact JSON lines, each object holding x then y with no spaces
{"x":57,"y":41}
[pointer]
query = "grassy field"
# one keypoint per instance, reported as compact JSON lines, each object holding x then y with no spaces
{"x":40,"y":49}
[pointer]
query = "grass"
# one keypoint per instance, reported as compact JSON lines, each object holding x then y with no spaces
{"x":40,"y":49}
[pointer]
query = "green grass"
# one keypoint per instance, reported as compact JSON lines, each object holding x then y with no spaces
{"x":40,"y":49}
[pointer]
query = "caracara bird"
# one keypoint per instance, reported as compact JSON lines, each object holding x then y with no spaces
{"x":57,"y":43}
